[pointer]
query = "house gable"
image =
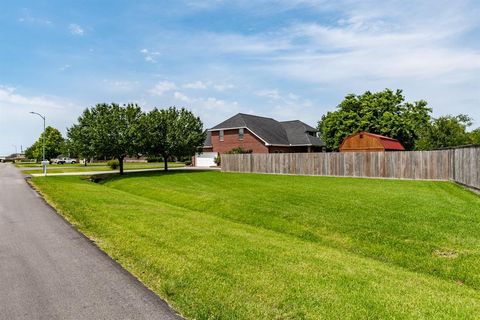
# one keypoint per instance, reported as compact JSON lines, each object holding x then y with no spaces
{"x":232,"y":140}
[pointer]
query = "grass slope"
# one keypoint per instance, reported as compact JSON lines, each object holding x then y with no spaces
{"x":239,"y":246}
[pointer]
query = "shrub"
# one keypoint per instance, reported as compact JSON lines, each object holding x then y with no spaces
{"x":154,"y":159}
{"x":184,"y":159}
{"x":188,"y":162}
{"x":239,"y":150}
{"x":218,"y":160}
{"x":113,"y":164}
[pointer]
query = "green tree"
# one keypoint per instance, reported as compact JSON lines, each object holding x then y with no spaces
{"x":54,"y":145}
{"x":384,"y":112}
{"x":78,"y":136}
{"x":475,"y":136}
{"x":445,"y":131}
{"x":107,"y":130}
{"x":171,"y":132}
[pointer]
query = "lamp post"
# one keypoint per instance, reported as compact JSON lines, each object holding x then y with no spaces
{"x":44,"y":163}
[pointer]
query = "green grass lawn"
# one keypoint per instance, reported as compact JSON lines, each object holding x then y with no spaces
{"x":244,"y":246}
{"x":60,"y":168}
{"x":39,"y":165}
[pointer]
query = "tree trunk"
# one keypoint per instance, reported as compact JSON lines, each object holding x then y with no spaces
{"x":165,"y":163}
{"x":120,"y":164}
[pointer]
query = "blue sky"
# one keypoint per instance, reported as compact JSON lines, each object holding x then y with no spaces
{"x":284,"y":59}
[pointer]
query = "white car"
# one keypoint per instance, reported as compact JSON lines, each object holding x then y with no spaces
{"x":69,"y":161}
{"x":64,"y":161}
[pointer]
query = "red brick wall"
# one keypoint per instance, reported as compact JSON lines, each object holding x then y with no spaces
{"x":230,"y":141}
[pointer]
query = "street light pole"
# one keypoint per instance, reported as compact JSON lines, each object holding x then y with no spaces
{"x":44,"y":165}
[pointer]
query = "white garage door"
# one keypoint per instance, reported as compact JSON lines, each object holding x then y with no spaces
{"x":205,"y":159}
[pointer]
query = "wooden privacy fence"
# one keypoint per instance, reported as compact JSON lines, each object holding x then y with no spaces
{"x":461,"y":165}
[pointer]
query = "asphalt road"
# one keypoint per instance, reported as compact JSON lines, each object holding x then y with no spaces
{"x":48,"y":270}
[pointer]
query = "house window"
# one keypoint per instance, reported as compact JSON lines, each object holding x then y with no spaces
{"x":240,"y":134}
{"x":220,"y":135}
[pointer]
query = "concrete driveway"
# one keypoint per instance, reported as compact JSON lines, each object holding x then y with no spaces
{"x":48,"y":270}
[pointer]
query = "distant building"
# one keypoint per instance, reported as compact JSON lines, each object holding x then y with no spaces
{"x":365,"y":141}
{"x":15,"y":157}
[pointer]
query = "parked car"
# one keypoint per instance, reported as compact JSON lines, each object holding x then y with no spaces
{"x":63,"y":160}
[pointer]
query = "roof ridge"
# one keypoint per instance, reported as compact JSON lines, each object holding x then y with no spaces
{"x":255,"y":116}
{"x":381,"y":136}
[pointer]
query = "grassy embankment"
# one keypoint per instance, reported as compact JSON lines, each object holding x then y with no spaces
{"x":244,"y":246}
{"x":60,"y":168}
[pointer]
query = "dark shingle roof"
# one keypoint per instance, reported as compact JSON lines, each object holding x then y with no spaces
{"x":299,"y":132}
{"x":273,"y":132}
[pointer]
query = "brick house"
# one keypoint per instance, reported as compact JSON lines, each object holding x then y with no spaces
{"x":259,"y":134}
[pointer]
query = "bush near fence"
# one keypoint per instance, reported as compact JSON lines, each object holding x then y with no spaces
{"x":461,"y":165}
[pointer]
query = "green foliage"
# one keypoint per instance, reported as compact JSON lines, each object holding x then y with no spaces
{"x":218,"y":160}
{"x":445,"y":131}
{"x":384,"y":112}
{"x":188,"y":162}
{"x":108,"y":130}
{"x":170,"y":133}
{"x":113,"y":164}
{"x":475,"y":136}
{"x":54,"y":145}
{"x":247,"y":246}
{"x":154,"y":159}
{"x":239,"y":150}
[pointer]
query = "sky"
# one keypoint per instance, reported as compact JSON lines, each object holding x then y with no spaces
{"x":286,"y":59}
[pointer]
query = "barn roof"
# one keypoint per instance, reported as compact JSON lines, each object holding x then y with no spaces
{"x":273,"y":132}
{"x":387,"y":142}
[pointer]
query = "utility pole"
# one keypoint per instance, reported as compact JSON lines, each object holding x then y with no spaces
{"x":44,"y":162}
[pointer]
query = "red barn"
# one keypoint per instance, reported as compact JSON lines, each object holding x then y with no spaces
{"x":365,"y":142}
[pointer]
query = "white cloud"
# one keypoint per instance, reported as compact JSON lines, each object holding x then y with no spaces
{"x":65,"y":67}
{"x":28,"y":18}
{"x":200,"y":85}
{"x":223,"y":86}
{"x":213,"y":110}
{"x":150,"y":56}
{"x":8,"y":97}
{"x":162,"y":87}
{"x":76,"y":29}
{"x":19,"y":127}
{"x":289,"y":106}
{"x":120,"y":86}
{"x":196,"y":85}
{"x":271,"y":94}
{"x":180,"y":96}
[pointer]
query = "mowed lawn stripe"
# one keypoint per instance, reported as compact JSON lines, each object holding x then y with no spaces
{"x":209,"y":267}
{"x":423,"y":226}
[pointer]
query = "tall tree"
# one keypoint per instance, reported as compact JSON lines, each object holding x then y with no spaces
{"x":475,"y":136}
{"x":171,"y":132}
{"x":384,"y":112}
{"x":108,"y":130}
{"x":54,"y":145}
{"x":445,"y":131}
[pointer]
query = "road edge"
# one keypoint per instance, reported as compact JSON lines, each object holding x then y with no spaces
{"x":115,"y":263}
